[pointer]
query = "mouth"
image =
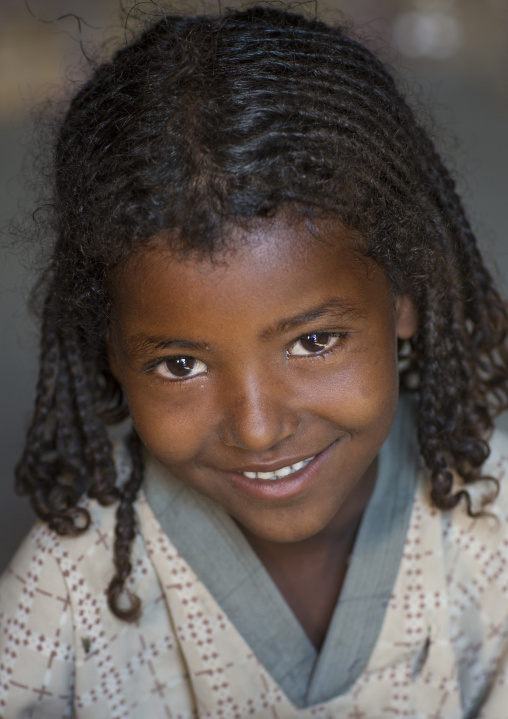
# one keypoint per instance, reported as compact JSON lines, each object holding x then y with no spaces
{"x":282,"y":483}
{"x":279,"y":473}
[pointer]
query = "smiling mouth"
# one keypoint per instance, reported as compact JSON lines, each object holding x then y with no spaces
{"x":279,"y":473}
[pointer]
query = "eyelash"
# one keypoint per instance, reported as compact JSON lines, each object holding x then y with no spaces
{"x":341,"y":337}
{"x":174,"y":380}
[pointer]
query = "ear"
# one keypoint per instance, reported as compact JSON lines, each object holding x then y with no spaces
{"x":406,"y":316}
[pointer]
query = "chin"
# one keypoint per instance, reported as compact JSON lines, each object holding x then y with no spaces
{"x":285,"y":531}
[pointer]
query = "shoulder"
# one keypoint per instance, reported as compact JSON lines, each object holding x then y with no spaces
{"x":36,"y":637}
{"x":58,"y":639}
{"x":494,"y":477}
{"x":489,"y":494}
{"x":473,"y":538}
{"x":33,"y":569}
{"x":475,"y":551}
{"x":50,"y":573}
{"x":69,"y":562}
{"x":47,"y":568}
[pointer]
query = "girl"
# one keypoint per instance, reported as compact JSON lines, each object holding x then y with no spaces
{"x":257,"y":246}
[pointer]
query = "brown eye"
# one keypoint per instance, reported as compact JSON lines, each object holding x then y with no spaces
{"x":314,"y":343}
{"x":180,"y":367}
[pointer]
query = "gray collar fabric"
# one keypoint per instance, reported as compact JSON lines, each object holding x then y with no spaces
{"x":213,"y":545}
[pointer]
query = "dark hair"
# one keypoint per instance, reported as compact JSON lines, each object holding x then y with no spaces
{"x":204,"y":121}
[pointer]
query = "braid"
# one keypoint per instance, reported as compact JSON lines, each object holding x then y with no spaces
{"x":68,"y":451}
{"x":461,"y":354}
{"x":53,"y":442}
{"x":125,"y":532}
{"x":32,"y":466}
{"x":96,"y":445}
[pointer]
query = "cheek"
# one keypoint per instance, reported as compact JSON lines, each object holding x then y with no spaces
{"x":362,"y":390}
{"x":377,"y":390}
{"x":173,"y":429}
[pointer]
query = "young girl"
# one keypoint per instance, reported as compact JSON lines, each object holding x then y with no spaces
{"x":257,"y":246}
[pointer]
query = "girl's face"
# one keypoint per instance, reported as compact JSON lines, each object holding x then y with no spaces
{"x":277,"y":360}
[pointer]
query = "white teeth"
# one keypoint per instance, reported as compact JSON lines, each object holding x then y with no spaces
{"x":298,"y":465}
{"x":287,"y":470}
{"x":280,"y":473}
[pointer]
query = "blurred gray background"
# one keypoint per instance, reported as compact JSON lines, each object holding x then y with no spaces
{"x":451,"y":57}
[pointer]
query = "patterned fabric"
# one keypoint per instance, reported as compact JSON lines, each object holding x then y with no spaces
{"x":201,"y":531}
{"x":442,"y":651}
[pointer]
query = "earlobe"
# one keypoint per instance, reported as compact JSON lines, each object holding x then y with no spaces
{"x":407,"y":317}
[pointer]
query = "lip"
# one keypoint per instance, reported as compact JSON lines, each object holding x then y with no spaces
{"x":284,"y":488}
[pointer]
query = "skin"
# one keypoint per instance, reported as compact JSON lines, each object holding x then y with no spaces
{"x":260,"y":393}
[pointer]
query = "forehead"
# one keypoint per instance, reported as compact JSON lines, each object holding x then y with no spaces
{"x":274,"y":267}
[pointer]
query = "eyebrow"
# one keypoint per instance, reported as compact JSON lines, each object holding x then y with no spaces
{"x":335,"y":309}
{"x":140,"y":345}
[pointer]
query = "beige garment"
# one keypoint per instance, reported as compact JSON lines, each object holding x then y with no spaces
{"x":63,"y":654}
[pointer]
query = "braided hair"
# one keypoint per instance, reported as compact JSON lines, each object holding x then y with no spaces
{"x":203,"y":121}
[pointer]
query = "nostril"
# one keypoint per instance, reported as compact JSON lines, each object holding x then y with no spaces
{"x":251,"y":441}
{"x":256,"y":434}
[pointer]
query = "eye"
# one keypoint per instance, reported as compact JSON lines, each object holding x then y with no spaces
{"x":180,"y":367}
{"x":315,"y":343}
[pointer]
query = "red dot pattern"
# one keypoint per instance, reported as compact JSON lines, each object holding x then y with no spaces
{"x":63,"y":654}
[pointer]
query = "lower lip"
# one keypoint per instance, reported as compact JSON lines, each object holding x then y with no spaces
{"x":286,"y":487}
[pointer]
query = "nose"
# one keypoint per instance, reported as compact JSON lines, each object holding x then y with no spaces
{"x":257,"y":413}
